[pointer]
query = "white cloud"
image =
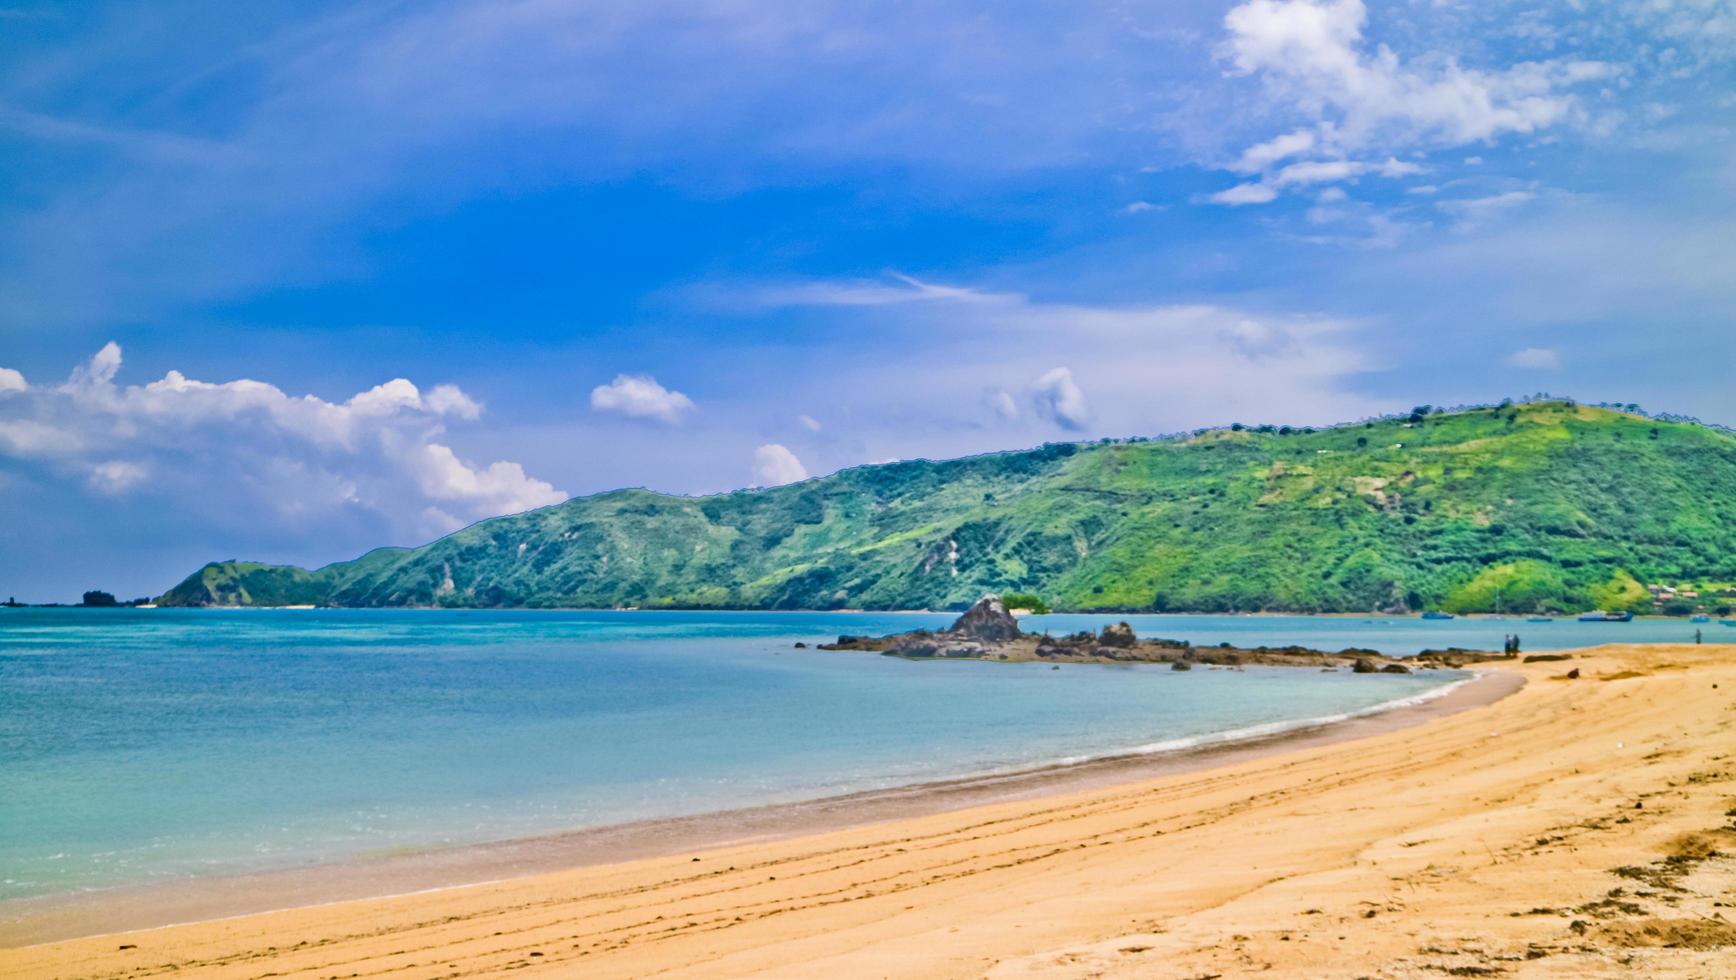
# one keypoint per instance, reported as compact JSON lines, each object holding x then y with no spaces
{"x":1002,"y":403}
{"x":1141,"y":207}
{"x":1536,"y":358}
{"x":1313,"y":54}
{"x":11,"y":380}
{"x":774,"y":465}
{"x":639,"y":396}
{"x":1330,"y":171}
{"x":247,"y":452}
{"x":1058,"y":398}
{"x":100,"y":369}
{"x":1262,"y":155}
{"x":449,"y":400}
{"x":1357,"y":98}
{"x":1245,"y":194}
{"x":498,"y":488}
{"x":809,"y":422}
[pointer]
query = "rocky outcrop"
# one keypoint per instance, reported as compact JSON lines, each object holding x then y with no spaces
{"x":988,"y":621}
{"x":1117,"y":635}
{"x":973,"y":637}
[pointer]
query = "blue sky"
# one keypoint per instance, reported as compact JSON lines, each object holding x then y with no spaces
{"x":286,"y":280}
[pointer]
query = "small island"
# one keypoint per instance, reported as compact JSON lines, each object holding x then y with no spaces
{"x":988,"y":631}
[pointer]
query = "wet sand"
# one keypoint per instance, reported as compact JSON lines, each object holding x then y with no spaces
{"x":1570,"y":828}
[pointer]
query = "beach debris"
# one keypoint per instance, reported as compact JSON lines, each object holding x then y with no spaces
{"x":1573,"y":674}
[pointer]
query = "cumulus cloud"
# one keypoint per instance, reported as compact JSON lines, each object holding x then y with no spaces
{"x":248,"y":451}
{"x":1059,"y":399}
{"x":774,"y":465}
{"x":1315,"y":60}
{"x":639,"y":396}
{"x":1313,"y":52}
{"x":1536,"y":358}
{"x":11,"y":380}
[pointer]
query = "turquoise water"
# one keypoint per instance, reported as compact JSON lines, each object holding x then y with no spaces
{"x":142,"y":744}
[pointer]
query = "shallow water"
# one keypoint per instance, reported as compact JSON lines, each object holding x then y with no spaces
{"x":142,"y":744}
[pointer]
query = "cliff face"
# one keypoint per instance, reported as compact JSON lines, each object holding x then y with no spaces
{"x":1528,"y":507}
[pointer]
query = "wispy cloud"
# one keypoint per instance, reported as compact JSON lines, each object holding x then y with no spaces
{"x":1536,"y":358}
{"x":1019,"y":364}
{"x":1471,"y":212}
{"x":895,"y":289}
{"x":1244,"y":194}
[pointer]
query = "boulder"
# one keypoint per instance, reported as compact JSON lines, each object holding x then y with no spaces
{"x":1395,"y":669}
{"x":915,"y":645}
{"x":1364,"y":665}
{"x":1117,"y":635}
{"x":987,"y":621}
{"x":1181,"y":665}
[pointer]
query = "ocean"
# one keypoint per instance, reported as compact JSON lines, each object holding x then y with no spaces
{"x":143,"y":745}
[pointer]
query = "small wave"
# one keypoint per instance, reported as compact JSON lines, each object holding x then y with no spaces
{"x":1269,"y":729}
{"x":1251,"y":732}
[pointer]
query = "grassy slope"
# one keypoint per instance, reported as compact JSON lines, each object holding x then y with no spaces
{"x":1546,"y":506}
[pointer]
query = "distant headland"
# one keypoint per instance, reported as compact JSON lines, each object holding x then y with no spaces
{"x":1540,"y":507}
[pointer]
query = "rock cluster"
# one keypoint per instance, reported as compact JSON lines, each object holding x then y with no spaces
{"x":989,"y":632}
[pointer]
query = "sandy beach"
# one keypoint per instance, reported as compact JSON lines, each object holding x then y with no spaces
{"x":1573,"y":827}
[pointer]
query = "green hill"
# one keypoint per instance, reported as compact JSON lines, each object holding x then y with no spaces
{"x":1540,"y":506}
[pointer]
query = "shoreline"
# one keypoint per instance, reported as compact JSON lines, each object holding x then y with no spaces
{"x":27,"y":922}
{"x":1256,"y":613}
{"x":1580,"y":826}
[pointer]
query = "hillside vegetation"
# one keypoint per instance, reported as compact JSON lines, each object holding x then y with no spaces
{"x":1548,"y":506}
